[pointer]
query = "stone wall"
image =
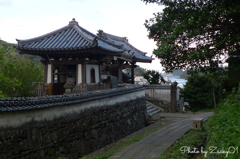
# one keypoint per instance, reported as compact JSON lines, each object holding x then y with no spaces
{"x":69,"y":126}
{"x":74,"y":135}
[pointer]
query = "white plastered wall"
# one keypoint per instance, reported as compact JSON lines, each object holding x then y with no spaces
{"x":88,"y":68}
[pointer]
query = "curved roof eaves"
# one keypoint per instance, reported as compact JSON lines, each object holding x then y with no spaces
{"x":106,"y":46}
{"x":24,"y":42}
{"x":91,"y":36}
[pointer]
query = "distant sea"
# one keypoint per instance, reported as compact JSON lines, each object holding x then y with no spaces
{"x":181,"y":82}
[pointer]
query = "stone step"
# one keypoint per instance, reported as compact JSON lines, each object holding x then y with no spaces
{"x":152,"y":110}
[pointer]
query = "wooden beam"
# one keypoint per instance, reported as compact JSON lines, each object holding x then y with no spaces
{"x":120,"y":76}
{"x":132,"y":73}
{"x":84,"y":71}
{"x":83,"y":52}
{"x":45,"y":72}
{"x":123,"y":66}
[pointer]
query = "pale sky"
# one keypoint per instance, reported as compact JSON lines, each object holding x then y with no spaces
{"x":24,"y":19}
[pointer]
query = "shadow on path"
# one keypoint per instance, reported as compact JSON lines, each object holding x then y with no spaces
{"x":153,"y":145}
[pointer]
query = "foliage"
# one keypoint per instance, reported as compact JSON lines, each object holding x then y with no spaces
{"x":196,"y":34}
{"x":220,"y":83}
{"x":153,"y":77}
{"x":224,"y":125}
{"x":137,"y":71}
{"x":17,"y":75}
{"x":6,"y":45}
{"x":199,"y":92}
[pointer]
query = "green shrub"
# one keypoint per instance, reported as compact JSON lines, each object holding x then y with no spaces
{"x":224,"y":126}
{"x":18,"y":75}
{"x":153,"y":77}
{"x":199,"y":92}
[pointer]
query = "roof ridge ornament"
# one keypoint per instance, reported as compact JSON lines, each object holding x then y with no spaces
{"x":125,"y":38}
{"x":73,"y":22}
{"x":103,"y":35}
{"x":95,"y":41}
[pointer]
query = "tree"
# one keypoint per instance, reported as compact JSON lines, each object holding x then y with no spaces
{"x":195,"y":34}
{"x":138,"y":71}
{"x":199,"y":92}
{"x":17,"y":75}
{"x":153,"y":77}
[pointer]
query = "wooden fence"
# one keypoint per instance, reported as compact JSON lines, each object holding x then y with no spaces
{"x":42,"y":89}
{"x":45,"y":89}
{"x":81,"y":88}
{"x":39,"y":90}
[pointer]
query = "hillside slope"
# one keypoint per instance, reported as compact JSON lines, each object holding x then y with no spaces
{"x":8,"y":46}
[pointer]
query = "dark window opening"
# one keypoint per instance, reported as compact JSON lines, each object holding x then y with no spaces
{"x":92,"y":75}
{"x":56,"y":76}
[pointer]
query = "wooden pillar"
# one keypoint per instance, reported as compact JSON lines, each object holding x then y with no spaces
{"x":84,"y":72}
{"x":49,"y":78}
{"x":120,"y":76}
{"x":132,"y":73}
{"x":78,"y":74}
{"x":52,"y":80}
{"x":49,"y":73}
{"x":99,"y":70}
{"x":45,"y":72}
{"x":173,"y":101}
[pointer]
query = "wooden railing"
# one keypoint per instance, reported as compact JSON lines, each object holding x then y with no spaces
{"x":81,"y":88}
{"x":40,"y":90}
{"x":45,"y":89}
{"x":95,"y":86}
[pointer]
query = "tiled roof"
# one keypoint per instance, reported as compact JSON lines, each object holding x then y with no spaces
{"x":21,"y":103}
{"x":131,"y":52}
{"x":74,"y":37}
{"x":70,"y":37}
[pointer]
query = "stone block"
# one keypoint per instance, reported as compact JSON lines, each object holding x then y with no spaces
{"x":81,"y":147}
{"x":197,"y":124}
{"x":114,"y":82}
{"x":54,"y":136}
{"x":16,"y":148}
{"x":46,"y":139}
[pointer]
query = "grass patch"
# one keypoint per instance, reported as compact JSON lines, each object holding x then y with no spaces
{"x":207,"y":110}
{"x":106,"y":153}
{"x":193,"y":139}
{"x":224,"y":127}
{"x":221,"y":131}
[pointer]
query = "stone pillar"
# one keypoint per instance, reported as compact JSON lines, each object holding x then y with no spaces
{"x":132,"y":73}
{"x":181,"y":103}
{"x":173,"y":101}
{"x":78,"y":73}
